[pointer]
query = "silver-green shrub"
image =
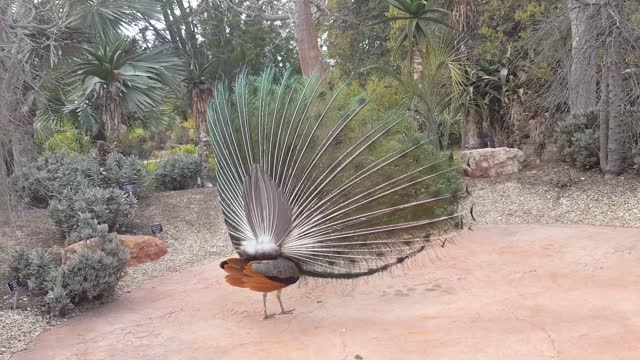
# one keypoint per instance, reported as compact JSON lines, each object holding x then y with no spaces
{"x":177,"y":172}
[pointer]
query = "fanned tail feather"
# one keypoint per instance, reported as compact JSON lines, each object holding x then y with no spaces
{"x":361,"y":192}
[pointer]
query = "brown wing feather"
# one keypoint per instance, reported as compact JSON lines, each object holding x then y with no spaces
{"x":241,"y":274}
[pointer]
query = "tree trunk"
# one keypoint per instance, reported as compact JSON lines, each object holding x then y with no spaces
{"x":21,"y":127}
{"x":582,"y":74}
{"x":604,"y":101}
{"x":463,"y":129}
{"x":466,"y":18}
{"x":615,"y":60}
{"x":189,"y":29}
{"x":111,"y":117}
{"x":177,"y":30}
{"x":168,"y":22}
{"x":307,"y":39}
{"x":417,"y":62}
{"x":4,"y":185}
{"x":200,"y":98}
{"x":474,"y":130}
{"x":417,"y":65}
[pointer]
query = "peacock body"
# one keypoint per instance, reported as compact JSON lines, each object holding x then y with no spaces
{"x":313,"y":184}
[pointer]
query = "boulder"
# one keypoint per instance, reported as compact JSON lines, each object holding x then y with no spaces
{"x":142,"y":248}
{"x":491,"y":162}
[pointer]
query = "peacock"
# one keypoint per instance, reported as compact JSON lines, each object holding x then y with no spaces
{"x":316,"y":182}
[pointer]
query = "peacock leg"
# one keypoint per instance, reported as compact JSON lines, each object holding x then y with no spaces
{"x":264,"y":302}
{"x":283,"y":311}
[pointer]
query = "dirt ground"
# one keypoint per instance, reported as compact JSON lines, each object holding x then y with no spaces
{"x":502,"y":292}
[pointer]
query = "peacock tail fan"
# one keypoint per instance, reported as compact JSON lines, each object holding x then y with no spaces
{"x":304,"y":174}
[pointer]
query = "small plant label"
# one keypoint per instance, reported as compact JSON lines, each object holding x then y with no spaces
{"x":156,"y":229}
{"x":129,"y":189}
{"x":15,"y":285}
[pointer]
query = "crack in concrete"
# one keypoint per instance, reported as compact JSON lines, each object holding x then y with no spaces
{"x":542,"y":329}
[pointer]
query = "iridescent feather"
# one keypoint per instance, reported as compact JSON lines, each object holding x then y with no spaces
{"x":304,"y":175}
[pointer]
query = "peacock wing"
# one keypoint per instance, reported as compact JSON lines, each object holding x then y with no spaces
{"x":260,"y":275}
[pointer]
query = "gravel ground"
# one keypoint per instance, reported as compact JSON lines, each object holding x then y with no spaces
{"x":194,"y":233}
{"x":18,"y":327}
{"x":556,"y":194}
{"x":194,"y":230}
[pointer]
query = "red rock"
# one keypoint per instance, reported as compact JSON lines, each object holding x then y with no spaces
{"x":142,"y":248}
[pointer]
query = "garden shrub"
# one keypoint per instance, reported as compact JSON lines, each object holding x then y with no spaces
{"x":109,"y":206}
{"x":177,"y":172}
{"x":19,"y":264}
{"x":123,"y":171}
{"x":70,"y":186}
{"x":184,"y":132}
{"x":92,"y":273}
{"x":52,"y":174}
{"x":40,"y":267}
{"x":69,"y":141}
{"x":57,"y":299}
{"x":185,"y":149}
{"x":31,"y":267}
{"x":137,"y":142}
{"x":150,"y":166}
{"x":577,"y":138}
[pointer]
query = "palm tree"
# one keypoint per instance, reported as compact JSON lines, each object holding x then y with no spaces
{"x":33,"y":52}
{"x":419,"y":15}
{"x":199,"y":93}
{"x":442,"y":99}
{"x":441,"y":95}
{"x":466,"y":19}
{"x":113,"y":80}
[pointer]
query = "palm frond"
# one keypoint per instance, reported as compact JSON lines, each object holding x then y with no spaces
{"x":106,"y":19}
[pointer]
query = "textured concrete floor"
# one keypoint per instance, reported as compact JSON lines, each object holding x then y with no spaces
{"x":502,"y":292}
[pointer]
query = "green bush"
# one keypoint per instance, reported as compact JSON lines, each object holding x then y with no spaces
{"x":184,"y":149}
{"x":577,"y":138}
{"x":69,"y":141}
{"x":137,"y":142}
{"x":183,"y":133}
{"x":177,"y":172}
{"x":150,"y":166}
{"x":40,"y":266}
{"x":107,"y":206}
{"x":52,"y":174}
{"x":93,"y":272}
{"x":123,"y":171}
{"x":19,"y":264}
{"x":57,"y":299}
{"x":212,"y":163}
{"x":90,"y":274}
{"x":32,"y":267}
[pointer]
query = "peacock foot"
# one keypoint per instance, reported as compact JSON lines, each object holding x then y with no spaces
{"x":287,"y":312}
{"x":269,"y":316}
